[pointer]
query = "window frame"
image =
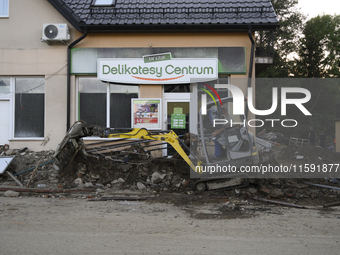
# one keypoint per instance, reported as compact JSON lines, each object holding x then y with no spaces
{"x":10,"y":96}
{"x":13,"y":109}
{"x":108,"y":100}
{"x":6,"y":15}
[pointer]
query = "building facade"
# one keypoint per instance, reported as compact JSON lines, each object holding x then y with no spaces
{"x":33,"y":77}
{"x":124,"y":64}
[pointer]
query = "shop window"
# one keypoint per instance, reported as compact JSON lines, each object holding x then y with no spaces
{"x":4,"y":11}
{"x":92,"y":101}
{"x":94,"y":98}
{"x":120,"y":105}
{"x":29,"y":115}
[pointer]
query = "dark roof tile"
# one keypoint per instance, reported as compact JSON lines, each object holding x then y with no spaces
{"x":172,"y":12}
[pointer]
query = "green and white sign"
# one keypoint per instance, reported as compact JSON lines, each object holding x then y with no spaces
{"x":160,"y":69}
{"x":157,"y":57}
{"x":177,"y":121}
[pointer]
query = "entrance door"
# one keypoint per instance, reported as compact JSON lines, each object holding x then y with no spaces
{"x":176,"y":118}
{"x":4,"y":121}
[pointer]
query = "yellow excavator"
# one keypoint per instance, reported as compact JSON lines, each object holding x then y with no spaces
{"x":233,"y":146}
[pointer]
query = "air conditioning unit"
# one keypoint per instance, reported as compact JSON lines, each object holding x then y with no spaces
{"x":55,"y":32}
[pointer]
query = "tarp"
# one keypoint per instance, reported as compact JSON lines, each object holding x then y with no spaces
{"x":5,"y":161}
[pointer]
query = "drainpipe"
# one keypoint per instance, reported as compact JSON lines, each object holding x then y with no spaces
{"x":69,"y":78}
{"x":250,"y":65}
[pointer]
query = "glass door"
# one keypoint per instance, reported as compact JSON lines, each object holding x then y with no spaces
{"x":176,"y":113}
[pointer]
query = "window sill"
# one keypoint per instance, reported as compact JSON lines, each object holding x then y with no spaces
{"x":27,"y":139}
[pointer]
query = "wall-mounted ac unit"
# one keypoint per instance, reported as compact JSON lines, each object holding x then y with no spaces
{"x":55,"y":32}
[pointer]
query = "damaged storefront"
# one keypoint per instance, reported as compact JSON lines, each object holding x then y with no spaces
{"x":145,"y":87}
{"x":157,"y":52}
{"x":127,"y":65}
{"x":142,"y":65}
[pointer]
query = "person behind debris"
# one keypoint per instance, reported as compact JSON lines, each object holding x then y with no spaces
{"x":322,"y":140}
{"x":334,"y":144}
{"x":312,"y":136}
{"x":220,"y":139}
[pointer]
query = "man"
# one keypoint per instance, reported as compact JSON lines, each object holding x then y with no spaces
{"x":322,"y":140}
{"x":312,"y":136}
{"x":220,"y":139}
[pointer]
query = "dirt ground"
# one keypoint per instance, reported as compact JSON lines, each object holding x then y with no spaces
{"x":38,"y":225}
{"x":105,"y":207}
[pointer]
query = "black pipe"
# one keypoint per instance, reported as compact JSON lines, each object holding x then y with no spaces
{"x":68,"y":125}
{"x":250,"y":74}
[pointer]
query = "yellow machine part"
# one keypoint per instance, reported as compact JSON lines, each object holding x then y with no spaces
{"x":171,"y":138}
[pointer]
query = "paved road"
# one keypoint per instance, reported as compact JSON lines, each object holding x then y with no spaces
{"x":74,"y":226}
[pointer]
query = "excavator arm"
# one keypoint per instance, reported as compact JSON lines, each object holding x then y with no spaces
{"x":79,"y":129}
{"x":170,"y":137}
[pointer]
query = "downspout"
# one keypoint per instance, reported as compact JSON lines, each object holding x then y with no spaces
{"x":250,"y":74}
{"x":69,"y":78}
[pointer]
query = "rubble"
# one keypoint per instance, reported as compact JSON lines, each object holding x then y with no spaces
{"x":141,"y":186}
{"x":165,"y":175}
{"x":156,"y":177}
{"x":11,"y":193}
{"x":276,"y":194}
{"x":88,"y":184}
{"x":78,"y":182}
{"x":309,"y":153}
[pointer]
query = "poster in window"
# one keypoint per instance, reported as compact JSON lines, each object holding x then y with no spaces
{"x":146,"y":113}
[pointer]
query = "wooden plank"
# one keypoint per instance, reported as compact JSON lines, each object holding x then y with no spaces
{"x":14,"y":178}
{"x":34,"y":171}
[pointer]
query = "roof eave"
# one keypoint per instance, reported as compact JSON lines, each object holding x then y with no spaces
{"x":178,"y":27}
{"x":72,"y":19}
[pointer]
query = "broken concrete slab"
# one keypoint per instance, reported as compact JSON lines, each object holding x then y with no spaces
{"x":78,"y":182}
{"x":141,"y":186}
{"x":11,"y":193}
{"x":252,"y":190}
{"x":156,"y":175}
{"x":276,"y":194}
{"x":88,"y":184}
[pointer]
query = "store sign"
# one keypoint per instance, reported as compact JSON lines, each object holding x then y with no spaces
{"x":156,"y":69}
{"x":157,"y":57}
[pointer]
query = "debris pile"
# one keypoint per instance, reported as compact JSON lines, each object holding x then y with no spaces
{"x":275,"y":146}
{"x":274,"y":138}
{"x":165,"y":176}
{"x":309,"y":153}
{"x":270,"y":145}
{"x":159,"y":175}
{"x":25,"y":161}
